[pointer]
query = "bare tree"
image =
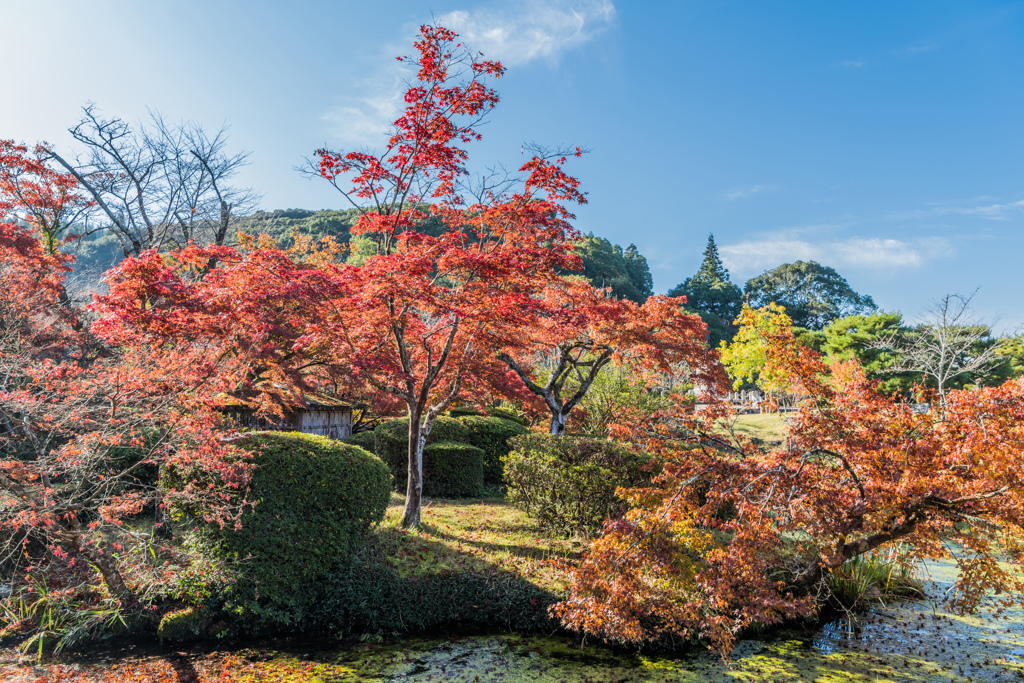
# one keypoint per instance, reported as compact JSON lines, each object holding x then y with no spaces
{"x":159,"y":185}
{"x":951,"y":345}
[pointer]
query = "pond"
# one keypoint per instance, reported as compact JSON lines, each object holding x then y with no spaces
{"x":914,"y":641}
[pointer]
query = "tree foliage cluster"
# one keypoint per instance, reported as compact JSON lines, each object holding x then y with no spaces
{"x":483,"y":308}
{"x":731,"y":535}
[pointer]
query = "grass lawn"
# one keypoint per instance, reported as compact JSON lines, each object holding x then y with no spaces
{"x":770,"y":429}
{"x":474,"y":535}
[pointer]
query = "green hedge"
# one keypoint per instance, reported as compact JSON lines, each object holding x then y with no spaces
{"x":315,"y":499}
{"x":568,"y":482}
{"x":452,"y":470}
{"x":493,"y":436}
{"x":366,"y":597}
{"x":365,"y":440}
{"x":391,"y":443}
{"x":509,"y":414}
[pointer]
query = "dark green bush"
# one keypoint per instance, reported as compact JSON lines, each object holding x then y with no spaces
{"x":462,"y":412}
{"x":368,"y":597}
{"x":568,"y":482}
{"x":315,"y":498}
{"x":391,"y":443}
{"x":452,"y":470}
{"x":492,"y":435}
{"x":509,"y":414}
{"x":365,"y":440}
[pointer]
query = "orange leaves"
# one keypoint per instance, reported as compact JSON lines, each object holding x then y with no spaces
{"x":732,"y":534}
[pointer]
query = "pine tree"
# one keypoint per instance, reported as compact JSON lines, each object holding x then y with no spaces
{"x":711,"y":269}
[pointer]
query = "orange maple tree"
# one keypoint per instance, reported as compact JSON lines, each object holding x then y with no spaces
{"x":731,"y":535}
{"x":577,"y":330}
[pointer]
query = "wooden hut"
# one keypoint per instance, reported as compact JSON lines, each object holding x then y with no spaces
{"x":323,"y":415}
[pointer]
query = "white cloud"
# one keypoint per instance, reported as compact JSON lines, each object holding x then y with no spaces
{"x":742,"y":192}
{"x":515,"y":34}
{"x":994,"y":212}
{"x":870,"y":253}
{"x":853,"y":63}
{"x":520,"y":33}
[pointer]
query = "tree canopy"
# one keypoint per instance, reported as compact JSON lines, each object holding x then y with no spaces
{"x":609,"y":265}
{"x":710,"y":294}
{"x":813,"y":295}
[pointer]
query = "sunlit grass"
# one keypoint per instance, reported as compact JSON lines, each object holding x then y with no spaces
{"x":477,"y":535}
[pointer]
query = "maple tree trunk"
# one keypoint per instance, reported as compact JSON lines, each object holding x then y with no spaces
{"x":557,"y":423}
{"x":106,"y":566}
{"x":414,"y":488}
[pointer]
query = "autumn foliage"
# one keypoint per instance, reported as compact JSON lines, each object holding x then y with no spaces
{"x":422,"y":319}
{"x":576,"y":330}
{"x":731,"y":535}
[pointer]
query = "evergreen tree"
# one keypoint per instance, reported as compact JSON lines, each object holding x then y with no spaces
{"x":710,"y":294}
{"x":711,"y":269}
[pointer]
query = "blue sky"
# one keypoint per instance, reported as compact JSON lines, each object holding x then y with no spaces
{"x":885,"y":139}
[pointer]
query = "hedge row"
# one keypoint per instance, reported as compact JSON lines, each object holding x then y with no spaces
{"x":314,"y":498}
{"x":366,"y":597}
{"x":492,"y":435}
{"x":365,"y":440}
{"x":450,"y":472}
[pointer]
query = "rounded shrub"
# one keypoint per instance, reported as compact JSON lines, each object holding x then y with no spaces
{"x":314,"y":498}
{"x":365,"y":440}
{"x":452,"y":470}
{"x":568,"y":483}
{"x":391,"y":443}
{"x":509,"y":414}
{"x":493,"y":436}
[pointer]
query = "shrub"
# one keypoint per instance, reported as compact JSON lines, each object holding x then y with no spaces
{"x":182,"y":625}
{"x":462,"y":412}
{"x":365,"y":440}
{"x":492,"y":435}
{"x":452,"y":470}
{"x":365,"y":596}
{"x":509,"y":414}
{"x":391,"y":443}
{"x":315,"y":498}
{"x":568,"y":483}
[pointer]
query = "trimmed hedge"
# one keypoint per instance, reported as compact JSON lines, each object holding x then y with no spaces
{"x":462,"y":412}
{"x":315,"y":499}
{"x":568,"y":482}
{"x":509,"y":414}
{"x":452,"y":470}
{"x":492,"y":435}
{"x":365,"y":440}
{"x":367,"y":597}
{"x":391,"y":444}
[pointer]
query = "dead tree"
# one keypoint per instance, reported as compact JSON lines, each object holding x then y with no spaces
{"x":159,"y":185}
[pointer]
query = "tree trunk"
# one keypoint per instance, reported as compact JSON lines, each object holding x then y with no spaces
{"x":414,"y":488}
{"x":557,"y":423}
{"x":104,"y":563}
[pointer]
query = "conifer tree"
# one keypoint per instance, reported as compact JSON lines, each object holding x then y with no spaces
{"x":711,"y":269}
{"x":710,"y":294}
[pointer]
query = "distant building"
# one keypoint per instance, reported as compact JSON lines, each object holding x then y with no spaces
{"x":323,"y":415}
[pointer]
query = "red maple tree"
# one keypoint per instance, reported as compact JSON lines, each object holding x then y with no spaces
{"x":578,"y":329}
{"x":79,"y":420}
{"x":423,"y":318}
